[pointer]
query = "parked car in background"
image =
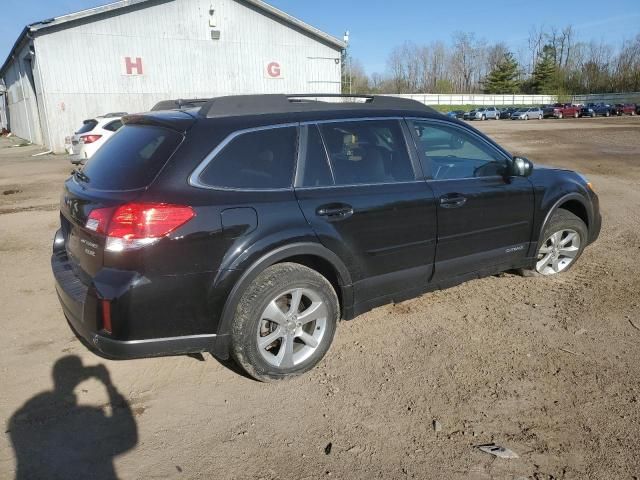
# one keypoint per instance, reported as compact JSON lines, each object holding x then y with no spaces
{"x":249,"y":226}
{"x":484,"y":113}
{"x":505,"y":113}
{"x":625,"y":108}
{"x":596,"y":109}
{"x":561,"y":110}
{"x":456,"y":114}
{"x":94,"y":132}
{"x":527,"y":113}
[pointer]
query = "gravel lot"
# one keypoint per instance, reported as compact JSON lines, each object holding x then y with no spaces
{"x":547,"y":367}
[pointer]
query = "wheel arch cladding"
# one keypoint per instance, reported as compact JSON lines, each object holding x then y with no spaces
{"x":576,"y":207}
{"x":312,"y":255}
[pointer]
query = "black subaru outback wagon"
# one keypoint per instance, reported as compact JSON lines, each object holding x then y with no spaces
{"x":247,"y":226}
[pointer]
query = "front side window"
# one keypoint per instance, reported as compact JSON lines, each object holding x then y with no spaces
{"x":261,"y":159}
{"x":367,"y":152}
{"x":450,"y":153}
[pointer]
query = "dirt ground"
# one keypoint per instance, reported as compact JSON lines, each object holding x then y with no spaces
{"x":549,"y":368}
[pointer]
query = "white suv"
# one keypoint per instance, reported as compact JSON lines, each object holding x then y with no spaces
{"x":94,"y":132}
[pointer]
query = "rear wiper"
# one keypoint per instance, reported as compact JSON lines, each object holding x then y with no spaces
{"x":80,"y":175}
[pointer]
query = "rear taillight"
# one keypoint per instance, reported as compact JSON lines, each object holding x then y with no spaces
{"x":136,"y":225}
{"x":86,"y":139}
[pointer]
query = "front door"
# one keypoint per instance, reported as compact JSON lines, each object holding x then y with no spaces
{"x":484,"y":216}
{"x":360,"y":190}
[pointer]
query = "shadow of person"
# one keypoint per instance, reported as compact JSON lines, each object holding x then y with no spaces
{"x":55,"y":438}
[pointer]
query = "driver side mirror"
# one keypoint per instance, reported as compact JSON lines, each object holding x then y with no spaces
{"x":520,"y":167}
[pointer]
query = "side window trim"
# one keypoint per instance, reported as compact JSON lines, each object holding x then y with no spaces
{"x":194,"y":178}
{"x":326,"y":153}
{"x":428,"y":174}
{"x":301,"y":163}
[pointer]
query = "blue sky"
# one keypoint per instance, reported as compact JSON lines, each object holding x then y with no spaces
{"x":377,"y":26}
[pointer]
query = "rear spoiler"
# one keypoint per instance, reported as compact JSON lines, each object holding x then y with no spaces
{"x":173,"y":120}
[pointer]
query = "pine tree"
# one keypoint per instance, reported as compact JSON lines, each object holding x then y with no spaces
{"x":545,"y":74}
{"x":504,"y":77}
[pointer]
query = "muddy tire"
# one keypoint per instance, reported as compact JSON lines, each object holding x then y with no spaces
{"x":562,"y":242}
{"x":284,"y":323}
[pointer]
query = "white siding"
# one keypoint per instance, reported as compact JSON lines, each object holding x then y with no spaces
{"x":82,"y":65}
{"x":22,"y":109}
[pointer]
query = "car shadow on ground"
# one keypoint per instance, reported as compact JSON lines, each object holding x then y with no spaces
{"x":56,"y":438}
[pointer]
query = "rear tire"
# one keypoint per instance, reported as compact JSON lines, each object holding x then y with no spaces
{"x":284,"y":323}
{"x":560,"y":115}
{"x":575,"y":115}
{"x":562,"y":242}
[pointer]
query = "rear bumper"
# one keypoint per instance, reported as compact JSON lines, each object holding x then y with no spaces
{"x":80,"y":304}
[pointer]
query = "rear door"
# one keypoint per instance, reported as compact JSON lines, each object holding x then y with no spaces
{"x":360,"y":189}
{"x":484,"y":217}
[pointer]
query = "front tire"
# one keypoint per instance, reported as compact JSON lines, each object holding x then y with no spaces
{"x":284,"y":323}
{"x":562,"y":242}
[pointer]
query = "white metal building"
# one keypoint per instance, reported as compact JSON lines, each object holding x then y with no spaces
{"x":128,"y":55}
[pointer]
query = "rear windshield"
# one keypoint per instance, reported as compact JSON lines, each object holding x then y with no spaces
{"x":132,"y":158}
{"x":87,"y":126}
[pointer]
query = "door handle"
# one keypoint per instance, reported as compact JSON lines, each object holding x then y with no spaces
{"x":335,"y":211}
{"x":452,"y":200}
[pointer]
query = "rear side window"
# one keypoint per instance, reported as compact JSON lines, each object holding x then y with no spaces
{"x":132,"y":158}
{"x":87,"y":126}
{"x":367,"y":152}
{"x":113,"y":126}
{"x":315,"y":170}
{"x":262,"y":159}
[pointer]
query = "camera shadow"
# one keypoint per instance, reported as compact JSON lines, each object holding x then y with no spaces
{"x":53,"y":437}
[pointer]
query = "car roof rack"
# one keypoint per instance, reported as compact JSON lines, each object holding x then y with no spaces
{"x":237,"y":105}
{"x":179,"y":104}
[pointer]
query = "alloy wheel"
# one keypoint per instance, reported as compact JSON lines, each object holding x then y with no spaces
{"x":292,"y":327}
{"x":558,"y":252}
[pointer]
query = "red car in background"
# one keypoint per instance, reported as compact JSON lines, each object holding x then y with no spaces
{"x":625,"y":108}
{"x":561,"y":110}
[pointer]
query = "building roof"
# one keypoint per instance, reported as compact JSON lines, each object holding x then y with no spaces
{"x":91,"y":12}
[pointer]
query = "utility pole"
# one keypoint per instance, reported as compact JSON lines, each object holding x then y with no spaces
{"x":347,"y":57}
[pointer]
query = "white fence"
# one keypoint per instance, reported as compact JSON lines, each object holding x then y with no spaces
{"x":479,"y":99}
{"x":485,"y":99}
{"x":611,"y":98}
